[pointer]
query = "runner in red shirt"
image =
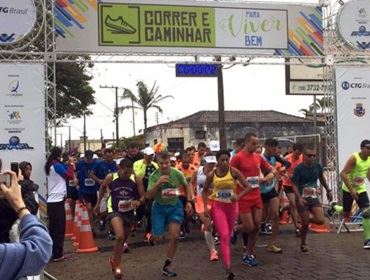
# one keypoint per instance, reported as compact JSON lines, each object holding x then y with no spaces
{"x":250,"y":206}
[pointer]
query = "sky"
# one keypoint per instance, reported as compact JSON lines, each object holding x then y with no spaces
{"x":252,"y":87}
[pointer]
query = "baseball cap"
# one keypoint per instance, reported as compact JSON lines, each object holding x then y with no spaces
{"x":214,"y":145}
{"x":148,"y":151}
{"x":210,"y":159}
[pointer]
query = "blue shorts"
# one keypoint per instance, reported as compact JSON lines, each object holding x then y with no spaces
{"x":162,"y":215}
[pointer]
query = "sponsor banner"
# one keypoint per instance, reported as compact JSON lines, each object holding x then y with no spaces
{"x":17,"y":18}
{"x":354,"y":24}
{"x":141,"y":26}
{"x":22,"y":118}
{"x":302,"y":79}
{"x":353,"y":110}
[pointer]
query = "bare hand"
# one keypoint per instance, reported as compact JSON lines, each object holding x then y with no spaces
{"x":269,"y":178}
{"x":96,"y":210}
{"x":188,"y":208}
{"x":13,"y":192}
{"x":163,"y":179}
{"x":135,"y":204}
{"x":354,"y":194}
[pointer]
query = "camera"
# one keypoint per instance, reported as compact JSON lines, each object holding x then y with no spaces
{"x":5,"y":179}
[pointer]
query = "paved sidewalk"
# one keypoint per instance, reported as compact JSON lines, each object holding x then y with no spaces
{"x":333,"y":257}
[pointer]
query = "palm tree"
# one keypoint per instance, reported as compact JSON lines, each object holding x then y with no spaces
{"x":321,"y":104}
{"x":145,"y":99}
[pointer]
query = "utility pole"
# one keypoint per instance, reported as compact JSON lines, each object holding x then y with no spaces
{"x":116,"y":113}
{"x":221,"y":105}
{"x":69,"y":139}
{"x":84,"y":132}
{"x":133,"y":116}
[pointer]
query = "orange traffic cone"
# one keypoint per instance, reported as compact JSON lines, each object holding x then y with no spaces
{"x":77,"y":224}
{"x":87,"y":243}
{"x":319,"y":228}
{"x":69,"y":220}
{"x":284,"y":218}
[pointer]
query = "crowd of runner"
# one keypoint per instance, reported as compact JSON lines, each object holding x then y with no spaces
{"x":232,"y":193}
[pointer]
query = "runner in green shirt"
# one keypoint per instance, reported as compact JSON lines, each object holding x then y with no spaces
{"x":167,"y":210}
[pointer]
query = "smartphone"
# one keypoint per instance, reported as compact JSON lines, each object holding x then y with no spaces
{"x":5,"y":179}
{"x":14,"y":166}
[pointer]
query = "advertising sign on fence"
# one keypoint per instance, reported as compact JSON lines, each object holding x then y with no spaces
{"x":353,"y":110}
{"x":22,"y":117}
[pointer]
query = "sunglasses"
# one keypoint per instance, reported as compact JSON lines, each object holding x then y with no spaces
{"x":311,"y":155}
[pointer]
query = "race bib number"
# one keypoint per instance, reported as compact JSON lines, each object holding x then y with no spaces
{"x":225,"y":194}
{"x":358,"y":180}
{"x":253,"y":181}
{"x":309,"y":192}
{"x":170,"y":193}
{"x":72,"y":183}
{"x":124,"y":206}
{"x":89,"y":182}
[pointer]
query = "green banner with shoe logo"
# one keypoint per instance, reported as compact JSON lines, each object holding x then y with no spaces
{"x":149,"y":25}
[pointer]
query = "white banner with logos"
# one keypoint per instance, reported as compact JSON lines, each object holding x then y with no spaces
{"x":353,"y":110}
{"x":354,"y":24}
{"x":17,"y":18}
{"x":22,"y":118}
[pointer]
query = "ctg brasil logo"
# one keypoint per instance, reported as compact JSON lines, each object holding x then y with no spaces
{"x":15,"y":144}
{"x":347,"y":85}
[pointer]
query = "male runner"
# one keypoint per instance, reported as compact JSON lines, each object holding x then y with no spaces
{"x":143,"y":168}
{"x":198,"y":156}
{"x":164,"y":185}
{"x":250,"y":205}
{"x":307,"y":193}
{"x":354,"y":174}
{"x":295,"y":158}
{"x":270,"y":196}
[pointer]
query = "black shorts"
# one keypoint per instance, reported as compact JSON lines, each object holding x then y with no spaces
{"x":72,"y":194}
{"x":128,"y":218}
{"x":309,"y":203}
{"x":91,"y":198}
{"x":362,"y":202}
{"x":270,"y":195}
{"x":288,"y":189}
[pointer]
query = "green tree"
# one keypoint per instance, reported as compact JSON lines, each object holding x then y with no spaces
{"x":321,"y":105}
{"x":145,"y":99}
{"x":74,"y":94}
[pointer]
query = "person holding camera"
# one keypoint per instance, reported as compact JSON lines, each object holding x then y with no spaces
{"x":32,"y":253}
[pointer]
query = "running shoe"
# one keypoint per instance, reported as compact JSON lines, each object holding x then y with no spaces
{"x":167,"y":271}
{"x":297,"y":232}
{"x":230,"y":276}
{"x":273,"y":248}
{"x":101,"y":225}
{"x":116,"y":269}
{"x":111,"y":236}
{"x":234,"y":237}
{"x":126,"y":249}
{"x":59,"y":259}
{"x":182,"y":235}
{"x":367,"y":244}
{"x":213,"y":256}
{"x":217,"y":240}
{"x":305,"y":249}
{"x":249,"y":260}
{"x":265,"y":229}
{"x":331,"y":209}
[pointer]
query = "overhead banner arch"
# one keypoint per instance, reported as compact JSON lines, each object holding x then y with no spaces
{"x":188,"y":27}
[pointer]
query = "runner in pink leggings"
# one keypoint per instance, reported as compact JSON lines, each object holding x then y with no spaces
{"x":224,"y":202}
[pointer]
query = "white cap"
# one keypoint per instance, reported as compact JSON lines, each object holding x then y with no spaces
{"x":173,"y":159}
{"x":214,"y":145}
{"x":210,"y":159}
{"x":148,"y":151}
